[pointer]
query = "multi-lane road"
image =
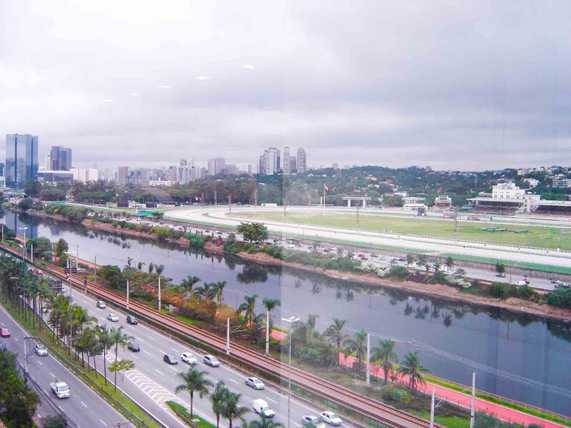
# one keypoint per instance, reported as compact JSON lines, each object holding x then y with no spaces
{"x":84,"y":408}
{"x":154,"y":381}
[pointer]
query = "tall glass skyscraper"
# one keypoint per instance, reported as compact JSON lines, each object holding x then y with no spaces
{"x":21,"y":159}
{"x":60,"y":158}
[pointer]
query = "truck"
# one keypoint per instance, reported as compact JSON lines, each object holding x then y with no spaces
{"x":60,"y":389}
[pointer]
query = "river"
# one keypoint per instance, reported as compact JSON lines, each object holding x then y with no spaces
{"x":521,"y":357}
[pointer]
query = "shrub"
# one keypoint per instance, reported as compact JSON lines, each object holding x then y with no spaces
{"x":398,"y":272}
{"x":560,"y":298}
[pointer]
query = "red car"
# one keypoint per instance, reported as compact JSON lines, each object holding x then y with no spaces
{"x":4,"y":332}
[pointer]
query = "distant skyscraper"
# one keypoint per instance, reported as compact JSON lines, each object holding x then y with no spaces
{"x":286,"y":161}
{"x":216,"y":166}
{"x":21,"y":159}
{"x":301,"y":162}
{"x":271,"y":159}
{"x":293,"y":164}
{"x":60,"y":158}
{"x":123,"y":175}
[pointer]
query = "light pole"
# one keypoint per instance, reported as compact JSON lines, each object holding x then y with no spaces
{"x":159,"y":299}
{"x":24,"y":228}
{"x":473,"y":401}
{"x":368,"y":358}
{"x":127,"y":296}
{"x":291,"y":321}
{"x":227,"y":336}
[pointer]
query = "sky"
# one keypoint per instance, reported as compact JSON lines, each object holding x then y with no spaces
{"x":452,"y":84}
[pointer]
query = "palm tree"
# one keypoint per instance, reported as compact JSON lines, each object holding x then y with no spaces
{"x":449,"y":262}
{"x":248,"y":308}
{"x":193,"y":381}
{"x":358,"y":345}
{"x":270,"y":305}
{"x":335,"y":334}
{"x":120,"y":366}
{"x":151,"y":267}
{"x":104,"y":336}
{"x":263,"y":423}
{"x":159,"y":269}
{"x":412,"y":368}
{"x":218,"y":399}
{"x":232,"y":408}
{"x":219,"y":291}
{"x":189,"y":282}
{"x":140,"y":266}
{"x":385,"y":354}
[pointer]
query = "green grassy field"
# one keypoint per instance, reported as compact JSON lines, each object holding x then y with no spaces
{"x":516,"y":235}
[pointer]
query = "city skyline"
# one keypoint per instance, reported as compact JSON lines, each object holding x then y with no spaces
{"x":455,"y":77}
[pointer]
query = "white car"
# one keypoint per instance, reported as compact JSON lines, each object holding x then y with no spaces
{"x":261,"y":408}
{"x":211,"y":360}
{"x":254,"y":382}
{"x":60,"y":389}
{"x":330,"y":418}
{"x":112,"y":317}
{"x":101,"y":304}
{"x":41,"y":350}
{"x":188,"y":358}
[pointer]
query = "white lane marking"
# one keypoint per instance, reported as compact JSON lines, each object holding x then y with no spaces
{"x":103,"y":422}
{"x":83,"y":404}
{"x":52,"y":375}
{"x":147,"y":352}
{"x":40,"y":363}
{"x":271,"y":400}
{"x":159,"y":372}
{"x":61,"y":408}
{"x":173,"y":369}
{"x":234,"y":381}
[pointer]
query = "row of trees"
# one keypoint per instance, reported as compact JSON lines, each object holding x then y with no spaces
{"x":69,"y":322}
{"x":334,"y":341}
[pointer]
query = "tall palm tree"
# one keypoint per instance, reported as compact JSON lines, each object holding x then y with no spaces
{"x":358,"y":346}
{"x":104,"y":336}
{"x":159,"y":269}
{"x":193,"y":381}
{"x":207,"y":291}
{"x":412,"y":368}
{"x":385,"y":354}
{"x":270,"y":305}
{"x":219,"y":291}
{"x":151,"y":267}
{"x":218,"y":398}
{"x":336,"y":335}
{"x":189,"y":282}
{"x":232,"y":408}
{"x":248,"y":308}
{"x":263,"y":423}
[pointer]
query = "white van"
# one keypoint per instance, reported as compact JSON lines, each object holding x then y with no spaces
{"x":261,"y":408}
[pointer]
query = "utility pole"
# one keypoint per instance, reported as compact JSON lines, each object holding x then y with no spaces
{"x":95,"y":270}
{"x":432,"y":410}
{"x":127,"y":294}
{"x":268,"y":332}
{"x":32,"y":253}
{"x":159,"y":299}
{"x":368,"y":358}
{"x":230,"y":203}
{"x":227,"y":336}
{"x":215,"y":197}
{"x":473,"y":401}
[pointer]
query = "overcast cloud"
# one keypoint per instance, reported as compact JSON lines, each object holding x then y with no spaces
{"x":452,"y":84}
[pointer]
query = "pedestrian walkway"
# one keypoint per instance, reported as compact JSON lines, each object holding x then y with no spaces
{"x":458,"y":398}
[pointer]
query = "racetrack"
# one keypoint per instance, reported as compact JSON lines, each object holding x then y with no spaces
{"x":221,"y":217}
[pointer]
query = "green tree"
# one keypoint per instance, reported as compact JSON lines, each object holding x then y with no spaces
{"x":412,"y":368}
{"x":263,"y":423}
{"x":336,"y":335}
{"x":500,"y":268}
{"x":253,"y":232}
{"x":248,"y":309}
{"x":232,"y":408}
{"x":120,"y":366}
{"x":18,"y":402}
{"x":217,"y":398}
{"x":193,"y":381}
{"x":357,"y":345}
{"x":61,"y":248}
{"x":386,"y":356}
{"x":270,"y":305}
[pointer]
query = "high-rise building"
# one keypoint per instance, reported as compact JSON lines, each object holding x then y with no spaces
{"x":293,"y":164}
{"x":286,"y":164}
{"x":21,"y":159}
{"x":301,"y":163}
{"x":216,"y":166}
{"x":60,"y":158}
{"x":185,"y":172}
{"x":85,"y":175}
{"x":123,"y":175}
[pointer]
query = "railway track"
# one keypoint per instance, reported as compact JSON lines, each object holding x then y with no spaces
{"x":375,"y":410}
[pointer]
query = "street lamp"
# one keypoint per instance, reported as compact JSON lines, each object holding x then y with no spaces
{"x":291,"y":321}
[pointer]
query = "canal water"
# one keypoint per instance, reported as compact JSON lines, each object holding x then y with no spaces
{"x":521,"y":357}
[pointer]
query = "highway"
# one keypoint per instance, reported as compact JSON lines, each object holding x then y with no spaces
{"x":158,"y":379}
{"x":85,"y":408}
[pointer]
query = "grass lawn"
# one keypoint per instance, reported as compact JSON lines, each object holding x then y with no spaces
{"x":517,"y":235}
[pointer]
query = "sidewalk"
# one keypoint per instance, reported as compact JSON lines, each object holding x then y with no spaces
{"x":504,"y":413}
